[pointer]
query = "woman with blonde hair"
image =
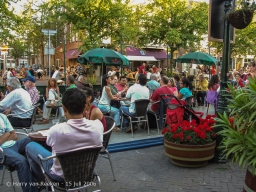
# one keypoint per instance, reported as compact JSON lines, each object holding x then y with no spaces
{"x":172,"y":85}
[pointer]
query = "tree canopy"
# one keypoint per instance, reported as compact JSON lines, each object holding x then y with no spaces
{"x":174,"y":23}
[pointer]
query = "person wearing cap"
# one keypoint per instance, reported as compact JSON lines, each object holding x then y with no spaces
{"x":29,"y":84}
{"x":16,"y":102}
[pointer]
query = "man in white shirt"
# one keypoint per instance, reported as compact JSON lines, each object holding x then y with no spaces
{"x":75,"y":134}
{"x":16,"y":102}
{"x":135,"y":92}
{"x":57,"y":74}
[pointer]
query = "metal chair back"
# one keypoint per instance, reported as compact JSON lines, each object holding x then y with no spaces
{"x":110,"y":126}
{"x":106,"y":137}
{"x":32,"y":118}
{"x":141,"y":107}
{"x":189,"y":101}
{"x":77,"y":166}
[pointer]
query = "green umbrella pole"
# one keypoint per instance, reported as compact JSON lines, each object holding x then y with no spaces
{"x":102,"y":69}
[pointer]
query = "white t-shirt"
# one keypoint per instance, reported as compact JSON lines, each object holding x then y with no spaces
{"x":104,"y":97}
{"x":73,"y":135}
{"x":136,"y":92}
{"x":19,"y":101}
{"x":55,"y":74}
{"x":39,"y":71}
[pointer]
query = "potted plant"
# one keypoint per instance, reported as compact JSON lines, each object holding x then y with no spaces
{"x":242,"y":17}
{"x":190,"y":144}
{"x":239,"y":130}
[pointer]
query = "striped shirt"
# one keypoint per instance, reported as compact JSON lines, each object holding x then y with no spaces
{"x":34,"y":94}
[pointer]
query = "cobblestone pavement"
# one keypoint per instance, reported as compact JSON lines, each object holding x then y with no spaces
{"x":148,"y":170}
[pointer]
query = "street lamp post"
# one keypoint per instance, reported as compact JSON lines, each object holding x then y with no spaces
{"x":122,"y":66}
{"x":64,"y":51}
{"x":48,"y":50}
{"x":223,"y":96}
{"x":173,"y":48}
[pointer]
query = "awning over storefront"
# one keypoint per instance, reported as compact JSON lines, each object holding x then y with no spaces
{"x":159,"y":54}
{"x":73,"y":54}
{"x":141,"y":58}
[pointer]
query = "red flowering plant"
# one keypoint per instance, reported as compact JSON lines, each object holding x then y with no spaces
{"x":192,"y":133}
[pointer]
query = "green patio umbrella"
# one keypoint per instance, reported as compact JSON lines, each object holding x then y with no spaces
{"x":198,"y":58}
{"x":102,"y":56}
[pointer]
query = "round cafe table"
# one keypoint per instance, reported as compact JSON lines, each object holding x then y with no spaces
{"x":39,"y":138}
{"x":36,"y":136}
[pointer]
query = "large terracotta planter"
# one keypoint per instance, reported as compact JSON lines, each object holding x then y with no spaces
{"x":189,"y":155}
{"x":250,"y":181}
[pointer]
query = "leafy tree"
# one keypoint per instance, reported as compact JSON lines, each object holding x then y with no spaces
{"x":36,"y":16}
{"x":244,"y":42}
{"x":175,"y":22}
{"x":18,"y":49}
{"x":9,"y":20}
{"x":95,"y":20}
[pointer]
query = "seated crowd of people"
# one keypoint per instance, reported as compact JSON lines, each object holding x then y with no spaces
{"x":85,"y":114}
{"x":77,"y":133}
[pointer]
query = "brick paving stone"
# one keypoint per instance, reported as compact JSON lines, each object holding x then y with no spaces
{"x":148,"y":169}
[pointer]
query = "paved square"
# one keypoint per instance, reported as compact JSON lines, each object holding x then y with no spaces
{"x":148,"y":169}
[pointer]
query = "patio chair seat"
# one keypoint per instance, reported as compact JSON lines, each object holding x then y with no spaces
{"x":141,"y":107}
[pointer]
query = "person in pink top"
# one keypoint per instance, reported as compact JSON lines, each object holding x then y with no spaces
{"x":172,"y":85}
{"x":122,"y":86}
{"x":164,"y":89}
{"x":75,"y":134}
